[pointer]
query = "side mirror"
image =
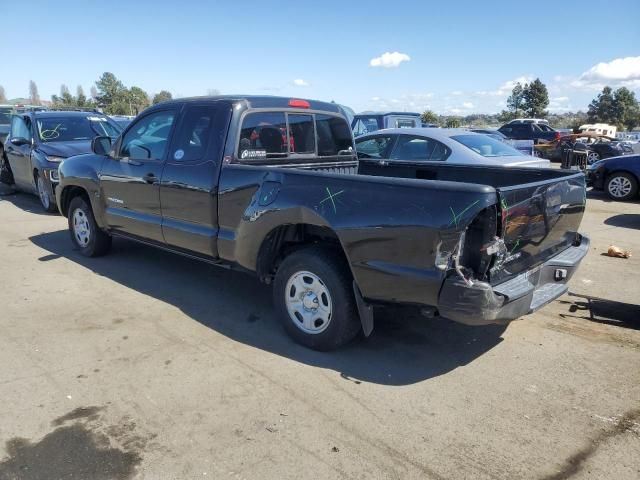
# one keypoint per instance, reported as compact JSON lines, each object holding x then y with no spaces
{"x":19,"y":141}
{"x":101,"y":145}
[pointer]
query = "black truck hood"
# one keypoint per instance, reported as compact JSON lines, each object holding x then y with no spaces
{"x":66,"y":149}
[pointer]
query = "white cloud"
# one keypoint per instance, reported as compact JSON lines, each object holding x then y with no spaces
{"x":456,"y":92}
{"x":389,"y":60}
{"x":298,"y":82}
{"x":559,"y":99}
{"x":467,"y":105}
{"x":506,"y":87}
{"x":616,"y":73}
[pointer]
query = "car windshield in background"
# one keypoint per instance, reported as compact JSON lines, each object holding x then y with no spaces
{"x":5,"y":118}
{"x":487,"y":146}
{"x":69,"y":129}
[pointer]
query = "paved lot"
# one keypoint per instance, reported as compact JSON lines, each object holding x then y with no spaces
{"x":143,"y":364}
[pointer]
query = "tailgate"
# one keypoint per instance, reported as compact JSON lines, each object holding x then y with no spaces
{"x":538,"y":220}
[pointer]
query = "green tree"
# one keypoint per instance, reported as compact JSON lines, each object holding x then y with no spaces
{"x":453,"y":122}
{"x":139,"y":99}
{"x":3,"y":95}
{"x":81,"y":98}
{"x":163,"y":96}
{"x":626,"y":108}
{"x":535,"y":99}
{"x":110,"y":91}
{"x":429,"y":117}
{"x":34,"y":97}
{"x":66,"y":97}
{"x":602,"y":108}
{"x":516,"y":101}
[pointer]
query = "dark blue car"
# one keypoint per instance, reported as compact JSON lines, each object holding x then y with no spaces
{"x":618,"y":176}
{"x":39,"y":141}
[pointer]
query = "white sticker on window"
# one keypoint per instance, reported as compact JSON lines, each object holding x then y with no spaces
{"x":253,"y":154}
{"x":178,"y":154}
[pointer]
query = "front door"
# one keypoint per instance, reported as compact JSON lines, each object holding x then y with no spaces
{"x":189,"y":188}
{"x":19,"y":153}
{"x":130,"y":181}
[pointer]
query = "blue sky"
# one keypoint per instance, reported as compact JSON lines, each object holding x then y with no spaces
{"x":452,"y":57}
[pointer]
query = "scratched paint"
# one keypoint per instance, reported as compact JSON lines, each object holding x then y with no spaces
{"x":331,"y":197}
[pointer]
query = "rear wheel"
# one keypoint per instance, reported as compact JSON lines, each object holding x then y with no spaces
{"x":621,"y":186}
{"x":6,"y":176}
{"x":45,"y":198}
{"x":85,"y":233}
{"x":314,"y":298}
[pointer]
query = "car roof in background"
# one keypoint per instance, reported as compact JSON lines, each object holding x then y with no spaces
{"x":434,"y":133}
{"x":368,"y":114}
{"x":64,"y":113}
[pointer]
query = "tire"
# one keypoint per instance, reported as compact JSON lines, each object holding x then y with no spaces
{"x":48,"y":203}
{"x":592,"y":157}
{"x":621,"y":186}
{"x":84,"y":231}
{"x":317,"y":271}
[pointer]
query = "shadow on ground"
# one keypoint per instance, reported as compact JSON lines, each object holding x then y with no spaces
{"x":24,"y":201}
{"x":403,"y":349}
{"x":600,"y":310}
{"x":625,"y":220}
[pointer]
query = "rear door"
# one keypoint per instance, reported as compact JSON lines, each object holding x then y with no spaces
{"x":130,"y":182}
{"x":539,"y":220}
{"x":189,"y":188}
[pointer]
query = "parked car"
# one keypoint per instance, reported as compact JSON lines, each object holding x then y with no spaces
{"x":39,"y":141}
{"x":492,"y":133}
{"x":333,"y":235}
{"x":449,"y":145}
{"x":599,"y":147}
{"x":529,"y":120}
{"x":123,"y":121}
{"x":5,"y":122}
{"x":538,"y":132}
{"x":369,"y":122}
{"x":618,"y":176}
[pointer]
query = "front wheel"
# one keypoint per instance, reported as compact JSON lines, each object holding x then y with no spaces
{"x":85,"y":233}
{"x":45,"y":198}
{"x":313,"y":295}
{"x":592,"y":157}
{"x":621,"y":186}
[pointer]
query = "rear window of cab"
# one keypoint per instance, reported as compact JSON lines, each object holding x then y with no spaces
{"x":266,"y":136}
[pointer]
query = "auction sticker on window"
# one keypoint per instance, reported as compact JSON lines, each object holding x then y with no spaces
{"x":248,"y":154}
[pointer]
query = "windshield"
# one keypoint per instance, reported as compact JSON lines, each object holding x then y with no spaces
{"x":487,"y":146}
{"x":69,"y":129}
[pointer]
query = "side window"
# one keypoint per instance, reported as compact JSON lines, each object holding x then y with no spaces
{"x":194,"y":133}
{"x":405,"y":123}
{"x":302,"y":138}
{"x":413,"y":148}
{"x":375,"y":147}
{"x":263,"y":135}
{"x":365,"y":125}
{"x":147,"y":138}
{"x":334,"y":136}
{"x":440,"y":152}
{"x":20,"y":127}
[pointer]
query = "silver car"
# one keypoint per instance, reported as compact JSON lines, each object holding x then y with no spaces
{"x":451,"y":145}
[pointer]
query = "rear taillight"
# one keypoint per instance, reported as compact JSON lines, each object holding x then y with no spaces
{"x":557,"y":136}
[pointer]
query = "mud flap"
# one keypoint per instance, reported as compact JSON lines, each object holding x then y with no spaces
{"x":364,"y":310}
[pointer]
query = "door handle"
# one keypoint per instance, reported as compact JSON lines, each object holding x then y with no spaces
{"x":150,"y":178}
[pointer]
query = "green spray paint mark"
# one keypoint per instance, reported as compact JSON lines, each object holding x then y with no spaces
{"x":459,"y":215}
{"x":331,"y":197}
{"x":514,"y":247}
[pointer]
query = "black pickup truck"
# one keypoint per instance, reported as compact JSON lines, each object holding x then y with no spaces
{"x":273,"y":186}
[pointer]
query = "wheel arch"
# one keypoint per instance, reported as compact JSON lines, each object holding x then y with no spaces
{"x":68,"y":193}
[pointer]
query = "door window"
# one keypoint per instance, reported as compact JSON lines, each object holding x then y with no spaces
{"x":194,"y":133}
{"x":365,"y":125}
{"x":20,"y":127}
{"x":419,"y":149}
{"x":147,"y":138}
{"x":375,"y":147}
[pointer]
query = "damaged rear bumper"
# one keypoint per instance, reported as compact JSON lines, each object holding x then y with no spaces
{"x":483,"y":304}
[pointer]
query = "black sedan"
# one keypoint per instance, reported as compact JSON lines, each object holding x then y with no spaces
{"x":618,"y":176}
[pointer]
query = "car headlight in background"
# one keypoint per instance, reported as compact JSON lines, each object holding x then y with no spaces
{"x":53,"y":159}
